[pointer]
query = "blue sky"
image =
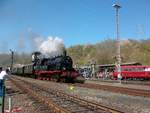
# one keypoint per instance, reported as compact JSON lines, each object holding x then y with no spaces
{"x":75,"y":21}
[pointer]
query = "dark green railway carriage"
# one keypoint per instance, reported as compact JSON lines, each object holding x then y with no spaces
{"x":18,"y":70}
{"x":28,"y":69}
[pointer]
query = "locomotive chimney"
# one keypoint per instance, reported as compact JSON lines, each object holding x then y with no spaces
{"x":64,"y":52}
{"x":35,"y":56}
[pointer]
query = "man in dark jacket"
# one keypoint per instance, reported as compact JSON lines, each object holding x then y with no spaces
{"x":2,"y":75}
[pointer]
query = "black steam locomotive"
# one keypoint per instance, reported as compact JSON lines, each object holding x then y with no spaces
{"x":58,"y":68}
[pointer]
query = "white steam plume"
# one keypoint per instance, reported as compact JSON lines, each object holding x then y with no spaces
{"x":53,"y":46}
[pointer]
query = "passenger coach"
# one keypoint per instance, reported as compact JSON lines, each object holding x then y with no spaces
{"x":133,"y":72}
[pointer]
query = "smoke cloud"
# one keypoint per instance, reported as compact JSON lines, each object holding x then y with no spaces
{"x":52,"y":46}
{"x":21,"y":43}
{"x":49,"y":47}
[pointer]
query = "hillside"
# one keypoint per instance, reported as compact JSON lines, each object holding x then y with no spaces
{"x":102,"y":53}
{"x":105,"y":52}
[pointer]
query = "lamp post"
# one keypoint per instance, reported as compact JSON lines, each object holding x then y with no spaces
{"x":117,"y":7}
{"x":12,"y":59}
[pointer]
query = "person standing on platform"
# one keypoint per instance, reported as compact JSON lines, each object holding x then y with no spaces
{"x":1,"y":86}
{"x":3,"y":73}
{"x":2,"y":76}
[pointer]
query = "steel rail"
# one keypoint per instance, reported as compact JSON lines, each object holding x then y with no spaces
{"x":122,"y":90}
{"x":136,"y":82}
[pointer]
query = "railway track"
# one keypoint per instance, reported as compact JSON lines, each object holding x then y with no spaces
{"x":59,"y":101}
{"x":122,"y":90}
{"x":147,"y":83}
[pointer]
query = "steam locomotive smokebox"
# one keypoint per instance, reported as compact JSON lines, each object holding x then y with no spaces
{"x":36,"y":56}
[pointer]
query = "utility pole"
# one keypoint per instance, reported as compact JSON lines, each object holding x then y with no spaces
{"x":118,"y":57}
{"x":12,"y":59}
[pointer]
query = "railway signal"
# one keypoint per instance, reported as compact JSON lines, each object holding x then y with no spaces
{"x":12,"y":59}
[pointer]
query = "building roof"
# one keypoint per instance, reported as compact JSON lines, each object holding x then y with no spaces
{"x":123,"y":64}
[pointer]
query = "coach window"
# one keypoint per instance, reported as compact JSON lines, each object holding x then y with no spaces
{"x":125,"y":69}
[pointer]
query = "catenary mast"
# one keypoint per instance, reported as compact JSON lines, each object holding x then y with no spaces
{"x":118,"y":57}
